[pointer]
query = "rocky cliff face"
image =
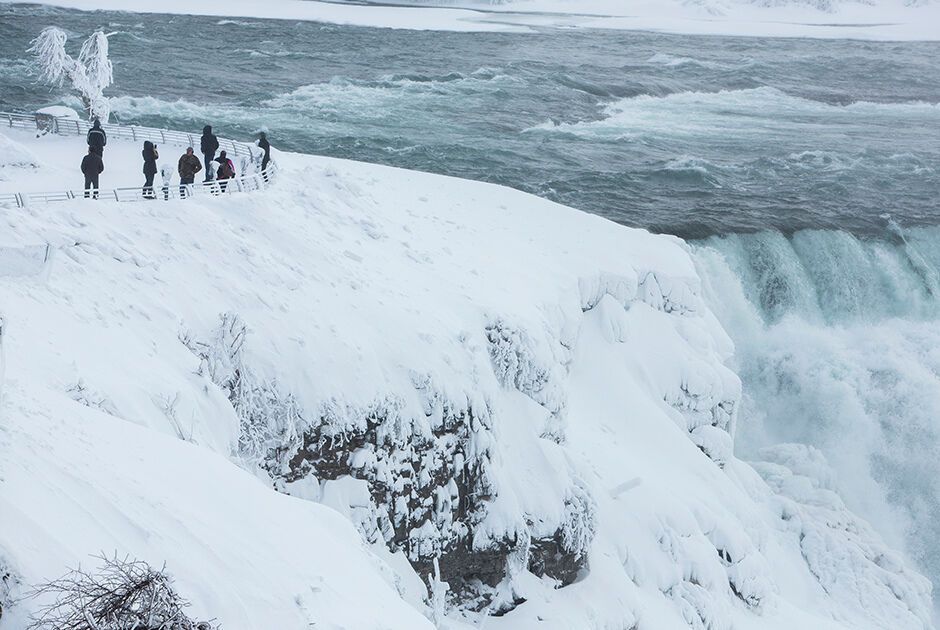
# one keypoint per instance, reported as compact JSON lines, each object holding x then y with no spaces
{"x":426,"y":483}
{"x":428,"y":479}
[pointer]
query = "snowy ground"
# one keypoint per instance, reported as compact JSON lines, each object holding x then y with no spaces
{"x":877,"y":20}
{"x":61,"y":157}
{"x":587,"y":344}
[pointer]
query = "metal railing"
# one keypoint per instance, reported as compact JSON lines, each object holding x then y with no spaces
{"x":20,"y":121}
{"x":245,"y":183}
{"x":257,"y":180}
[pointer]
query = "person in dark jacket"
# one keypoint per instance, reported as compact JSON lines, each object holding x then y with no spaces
{"x":208,"y":144}
{"x":92,"y":167}
{"x":97,"y":138}
{"x":265,"y":146}
{"x":150,"y":168}
{"x":225,"y":171}
{"x":188,"y":166}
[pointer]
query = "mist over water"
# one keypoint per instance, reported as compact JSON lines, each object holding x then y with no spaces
{"x":806,"y":171}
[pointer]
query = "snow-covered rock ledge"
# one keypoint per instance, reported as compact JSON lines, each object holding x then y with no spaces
{"x":519,"y":400}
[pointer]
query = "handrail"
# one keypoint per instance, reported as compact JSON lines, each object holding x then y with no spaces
{"x":159,"y":191}
{"x":257,"y":180}
{"x":75,"y":127}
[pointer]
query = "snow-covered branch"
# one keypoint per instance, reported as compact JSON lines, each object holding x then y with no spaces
{"x":89,"y":75}
{"x":124,"y":594}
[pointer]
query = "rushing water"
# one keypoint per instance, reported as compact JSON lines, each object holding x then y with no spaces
{"x":687,"y":135}
{"x":807,"y":170}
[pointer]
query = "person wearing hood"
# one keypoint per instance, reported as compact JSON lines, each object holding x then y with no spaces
{"x":97,"y":138}
{"x":225,"y":171}
{"x":187,"y":167}
{"x":92,"y":167}
{"x":265,"y":146}
{"x":208,"y":144}
{"x":150,"y":167}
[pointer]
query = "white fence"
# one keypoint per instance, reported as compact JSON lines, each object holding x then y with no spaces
{"x":257,"y":180}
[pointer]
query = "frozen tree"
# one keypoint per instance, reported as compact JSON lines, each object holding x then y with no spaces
{"x":89,"y":75}
{"x":124,"y":594}
{"x":268,"y":417}
{"x":437,"y":597}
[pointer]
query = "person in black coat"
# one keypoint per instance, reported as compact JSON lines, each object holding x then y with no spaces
{"x":208,"y":144}
{"x":265,"y":146}
{"x":150,"y":168}
{"x":92,"y":167}
{"x":97,"y":138}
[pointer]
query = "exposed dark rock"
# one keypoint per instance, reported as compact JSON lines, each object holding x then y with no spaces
{"x":429,"y":477}
{"x":547,"y":556}
{"x":461,"y":563}
{"x":430,"y":488}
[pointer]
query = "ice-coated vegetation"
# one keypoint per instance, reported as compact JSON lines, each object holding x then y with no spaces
{"x":88,"y":74}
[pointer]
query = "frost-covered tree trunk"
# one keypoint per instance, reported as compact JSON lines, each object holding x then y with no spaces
{"x":437,"y":597}
{"x":2,"y":361}
{"x":89,"y":75}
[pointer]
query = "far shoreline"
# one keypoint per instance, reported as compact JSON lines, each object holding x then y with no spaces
{"x":862,"y":23}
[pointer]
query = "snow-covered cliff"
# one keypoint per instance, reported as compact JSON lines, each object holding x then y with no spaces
{"x":372,"y":397}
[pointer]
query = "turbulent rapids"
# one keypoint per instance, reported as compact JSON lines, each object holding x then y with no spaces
{"x":693,"y":136}
{"x":836,"y":342}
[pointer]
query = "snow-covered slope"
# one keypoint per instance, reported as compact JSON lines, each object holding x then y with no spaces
{"x":519,"y":400}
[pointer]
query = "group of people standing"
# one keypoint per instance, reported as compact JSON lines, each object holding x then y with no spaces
{"x":219,"y":169}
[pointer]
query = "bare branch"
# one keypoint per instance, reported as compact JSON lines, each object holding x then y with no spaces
{"x":124,"y":594}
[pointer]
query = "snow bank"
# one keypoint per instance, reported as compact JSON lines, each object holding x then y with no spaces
{"x":523,"y":410}
{"x":76,"y":479}
{"x":16,"y":160}
{"x":876,"y":20}
{"x":59,"y":111}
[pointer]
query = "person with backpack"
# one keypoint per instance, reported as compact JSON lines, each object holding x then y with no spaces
{"x":208,"y":144}
{"x":92,"y":167}
{"x":97,"y":138}
{"x":150,"y":167}
{"x":187,"y":167}
{"x":225,"y":171}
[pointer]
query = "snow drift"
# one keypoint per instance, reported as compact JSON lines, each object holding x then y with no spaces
{"x":371,"y":397}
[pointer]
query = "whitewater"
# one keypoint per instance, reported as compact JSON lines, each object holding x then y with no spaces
{"x":802,"y":175}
